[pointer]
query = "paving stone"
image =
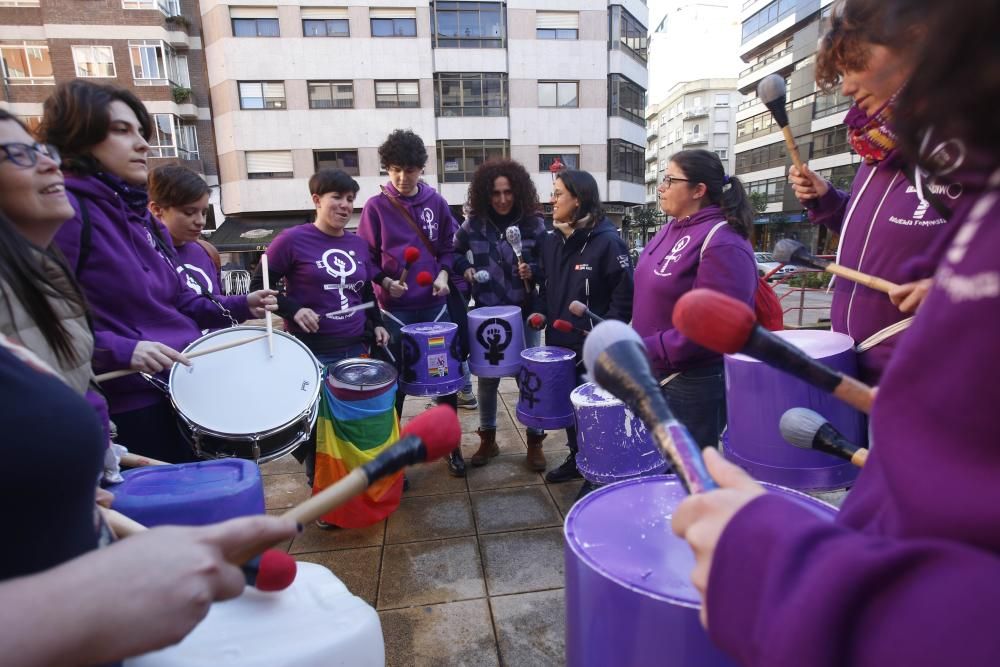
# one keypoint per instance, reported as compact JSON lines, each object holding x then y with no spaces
{"x":357,"y":568}
{"x":314,"y":538}
{"x":458,"y":634}
{"x":565,"y":494}
{"x":504,"y":510}
{"x":531,"y":628}
{"x":431,"y":518}
{"x":431,"y":479}
{"x":284,"y":491}
{"x":502,"y":472}
{"x":524,"y":561}
{"x":424,"y":573}
{"x":286,"y":464}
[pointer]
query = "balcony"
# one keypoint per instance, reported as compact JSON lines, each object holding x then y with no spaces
{"x":652,"y":131}
{"x":694,"y":138}
{"x":651,"y":176}
{"x":765,"y":62}
{"x":652,"y":154}
{"x":695,"y":112}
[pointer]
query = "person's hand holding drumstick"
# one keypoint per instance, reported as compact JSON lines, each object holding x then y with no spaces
{"x":307,"y":319}
{"x":152,"y":357}
{"x":262,"y":301}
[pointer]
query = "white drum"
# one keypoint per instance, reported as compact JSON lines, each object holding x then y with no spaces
{"x":241,"y":402}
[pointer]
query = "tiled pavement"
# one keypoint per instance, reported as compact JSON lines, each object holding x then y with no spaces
{"x":466,"y":571}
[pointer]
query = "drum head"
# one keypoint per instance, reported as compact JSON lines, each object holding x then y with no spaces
{"x":360,"y":374}
{"x":243,"y":390}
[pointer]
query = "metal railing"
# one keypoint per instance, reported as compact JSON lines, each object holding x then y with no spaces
{"x":236,"y":282}
{"x":765,"y":62}
{"x":793,"y":299}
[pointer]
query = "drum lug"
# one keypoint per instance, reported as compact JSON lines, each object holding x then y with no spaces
{"x":196,"y":441}
{"x":255,"y":446}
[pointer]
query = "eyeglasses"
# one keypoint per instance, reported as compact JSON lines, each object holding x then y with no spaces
{"x":26,"y":155}
{"x":669,"y":180}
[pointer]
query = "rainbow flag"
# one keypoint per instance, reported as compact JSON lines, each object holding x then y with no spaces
{"x":353,"y":427}
{"x":437,"y":341}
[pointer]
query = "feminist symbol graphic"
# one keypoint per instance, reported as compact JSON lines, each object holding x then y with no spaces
{"x":341,"y":266}
{"x":495,"y":335}
{"x":530,"y":384}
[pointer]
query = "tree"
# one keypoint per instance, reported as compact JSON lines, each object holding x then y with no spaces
{"x":758,"y":201}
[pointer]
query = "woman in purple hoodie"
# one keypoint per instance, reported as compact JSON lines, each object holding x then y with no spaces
{"x":909,"y":572}
{"x":142,"y":311}
{"x":704,"y":245}
{"x":893,"y":223}
{"x":407,"y":212}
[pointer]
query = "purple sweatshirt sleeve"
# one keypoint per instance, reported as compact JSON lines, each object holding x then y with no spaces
{"x":831,"y":209}
{"x":368,"y":230}
{"x":811,"y":592}
{"x":446,"y":240}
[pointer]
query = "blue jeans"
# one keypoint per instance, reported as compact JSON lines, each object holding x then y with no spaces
{"x":698,"y":400}
{"x":394,"y":327}
{"x":488,"y":388}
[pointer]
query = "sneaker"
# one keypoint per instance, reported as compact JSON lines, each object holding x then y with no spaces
{"x":565,"y":472}
{"x":326,"y":526}
{"x":467,"y":400}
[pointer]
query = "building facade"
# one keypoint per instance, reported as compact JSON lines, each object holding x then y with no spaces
{"x":780,"y":36}
{"x":151,"y":47}
{"x":300,"y":85}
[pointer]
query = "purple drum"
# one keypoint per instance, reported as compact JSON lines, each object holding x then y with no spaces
{"x":496,"y":338}
{"x":614,"y":443}
{"x":629,"y":597}
{"x":429,"y":362}
{"x":547,"y":375}
{"x":757,"y":395}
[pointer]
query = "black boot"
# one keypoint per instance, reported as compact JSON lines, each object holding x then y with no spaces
{"x":456,"y":464}
{"x":565,"y":472}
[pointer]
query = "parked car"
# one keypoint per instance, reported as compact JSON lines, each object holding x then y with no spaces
{"x":766,"y":264}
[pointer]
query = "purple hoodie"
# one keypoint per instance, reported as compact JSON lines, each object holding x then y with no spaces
{"x":132,"y":291}
{"x":909,"y":573}
{"x":388,"y":235}
{"x":886,"y":230}
{"x":671,"y":265}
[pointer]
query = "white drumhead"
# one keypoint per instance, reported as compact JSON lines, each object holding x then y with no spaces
{"x":242,"y":390}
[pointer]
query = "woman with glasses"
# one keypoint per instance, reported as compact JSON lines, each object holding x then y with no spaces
{"x":704,"y":245}
{"x":142,"y":311}
{"x":584,"y":260}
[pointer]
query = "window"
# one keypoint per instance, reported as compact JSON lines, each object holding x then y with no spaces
{"x":767,"y":17}
{"x":626,"y":99}
{"x":458,"y":160}
{"x":627,"y":33}
{"x":346,"y":161}
{"x":569,"y":156}
{"x":773,"y":189}
{"x":393,"y":22}
{"x":722,"y":99}
{"x":254,"y":21}
{"x":156,"y":64}
{"x":756,"y":126}
{"x":720,"y":126}
{"x":269,"y":164}
{"x":31,"y":122}
{"x":325,"y":22}
{"x":723,"y":153}
{"x":470,"y":94}
{"x":173,"y":138}
{"x":26,"y":64}
{"x":830,"y":142}
{"x":625,"y":161}
{"x":468,"y":25}
{"x":168,"y":7}
{"x":827,"y":105}
{"x":262,"y":94}
{"x":558,"y":94}
{"x":94,"y":61}
{"x":765,"y":157}
{"x":19,"y":3}
{"x":331,"y":95}
{"x":397,"y":94}
{"x":841,"y":177}
{"x":557,"y":25}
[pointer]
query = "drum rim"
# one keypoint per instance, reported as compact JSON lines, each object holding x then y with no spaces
{"x":570,"y":354}
{"x":314,"y":392}
{"x":339,"y":384}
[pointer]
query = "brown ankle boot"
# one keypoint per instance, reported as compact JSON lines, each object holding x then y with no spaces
{"x":535,"y":458}
{"x":487,"y":447}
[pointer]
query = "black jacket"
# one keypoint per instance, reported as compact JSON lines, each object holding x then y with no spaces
{"x":592,"y":266}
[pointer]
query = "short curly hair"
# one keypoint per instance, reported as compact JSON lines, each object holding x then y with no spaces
{"x":403,"y":148}
{"x":481,"y":187}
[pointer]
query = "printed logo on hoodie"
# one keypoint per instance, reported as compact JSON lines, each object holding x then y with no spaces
{"x":673,"y":256}
{"x":186,"y":269}
{"x":430,"y":226}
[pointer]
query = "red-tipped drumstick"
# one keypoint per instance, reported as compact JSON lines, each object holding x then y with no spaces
{"x":567,"y":327}
{"x":410,"y":255}
{"x":425,"y":279}
{"x":580,"y":309}
{"x":727,"y":326}
{"x":536,"y":321}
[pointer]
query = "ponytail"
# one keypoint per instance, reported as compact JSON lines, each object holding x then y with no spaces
{"x":736,"y":206}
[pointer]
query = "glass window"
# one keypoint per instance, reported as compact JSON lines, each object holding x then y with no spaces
{"x":766,"y":17}
{"x":397,"y":94}
{"x":168,"y":7}
{"x":331,"y":94}
{"x":26,"y":64}
{"x":262,"y":94}
{"x":269,"y":164}
{"x":172,"y":138}
{"x":155,"y":63}
{"x":625,"y":161}
{"x":722,"y":99}
{"x":397,"y":27}
{"x":558,"y":93}
{"x":626,"y":99}
{"x":94,"y":61}
{"x":468,"y":25}
{"x":458,"y":160}
{"x":547,"y":155}
{"x":627,"y":33}
{"x":326,"y":28}
{"x":345,"y":160}
{"x":470,"y":94}
{"x":256,"y":28}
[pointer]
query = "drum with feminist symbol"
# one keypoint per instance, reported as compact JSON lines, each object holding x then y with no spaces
{"x":547,"y":376}
{"x":496,"y":338}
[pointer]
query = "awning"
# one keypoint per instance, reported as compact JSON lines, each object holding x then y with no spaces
{"x":248,"y":234}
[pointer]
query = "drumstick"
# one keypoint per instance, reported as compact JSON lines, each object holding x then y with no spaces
{"x":111,"y":375}
{"x":389,"y":352}
{"x":788,"y":251}
{"x":267,"y":313}
{"x":443,"y":308}
{"x":272,"y":571}
{"x":351,"y":309}
{"x":393,"y":318}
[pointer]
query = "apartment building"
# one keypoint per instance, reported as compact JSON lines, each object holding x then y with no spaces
{"x":300,"y":85}
{"x":151,"y":47}
{"x":780,"y":36}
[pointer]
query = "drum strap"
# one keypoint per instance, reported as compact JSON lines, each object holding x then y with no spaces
{"x":413,"y":223}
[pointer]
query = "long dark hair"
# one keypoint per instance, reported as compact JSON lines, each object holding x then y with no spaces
{"x":481,"y":187}
{"x":582,"y":185}
{"x":77,"y":117}
{"x":701,"y":166}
